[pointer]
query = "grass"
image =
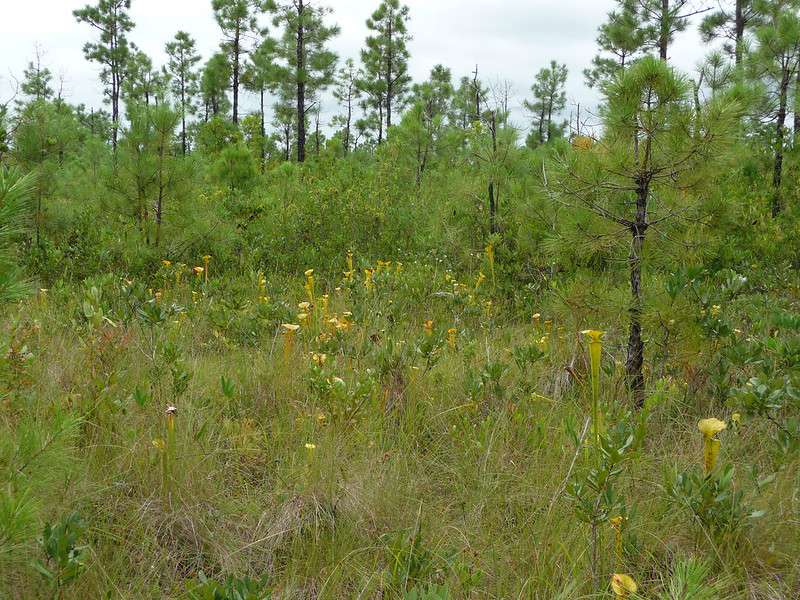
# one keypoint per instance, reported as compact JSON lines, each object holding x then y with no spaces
{"x":398,"y":464}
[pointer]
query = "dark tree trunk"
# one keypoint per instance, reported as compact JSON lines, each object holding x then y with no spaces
{"x":780,"y":135}
{"x":380,"y":121}
{"x":389,"y":73}
{"x":797,"y":109}
{"x":740,"y":24}
{"x":541,"y":126}
{"x":263,"y":135}
{"x":635,"y":359}
{"x":663,"y":42}
{"x":492,"y":196}
{"x":349,"y":120}
{"x":183,"y":114}
{"x":301,"y":85}
{"x":316,"y":134}
{"x":236,"y":52}
{"x":477,"y":86}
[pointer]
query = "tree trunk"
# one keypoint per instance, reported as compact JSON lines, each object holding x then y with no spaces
{"x":739,"y":30}
{"x":380,"y":121}
{"x":389,"y":81}
{"x":635,"y":359}
{"x":349,"y":120}
{"x":183,"y":114}
{"x":301,"y":86}
{"x":236,"y":52}
{"x":665,"y":27}
{"x":541,"y":126}
{"x":780,"y":134}
{"x":316,"y":134}
{"x":797,"y":110}
{"x":263,"y":135}
{"x":477,"y":87}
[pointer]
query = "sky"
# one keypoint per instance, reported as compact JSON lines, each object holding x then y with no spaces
{"x":509,"y":40}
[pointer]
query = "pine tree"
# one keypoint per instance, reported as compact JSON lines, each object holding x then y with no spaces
{"x":730,"y":23}
{"x":468,"y":101}
{"x":143,"y":84}
{"x":259,"y":75}
{"x":182,"y":66}
{"x":284,"y":115}
{"x":622,"y":37}
{"x":775,"y":62}
{"x":214,"y":83}
{"x":308,"y":65}
{"x":348,"y":94}
{"x":423,"y":125}
{"x":550,"y":99}
{"x":385,"y":60}
{"x":111,"y":19}
{"x":665,"y":18}
{"x":647,"y":170}
{"x":36,"y":84}
{"x":238,"y":20}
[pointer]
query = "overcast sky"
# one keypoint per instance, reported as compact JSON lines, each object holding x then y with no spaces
{"x":510,"y":40}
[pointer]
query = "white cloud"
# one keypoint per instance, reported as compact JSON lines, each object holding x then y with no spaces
{"x":509,"y":40}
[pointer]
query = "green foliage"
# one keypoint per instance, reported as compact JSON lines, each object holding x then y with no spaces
{"x":64,"y":555}
{"x":714,"y":501}
{"x":15,"y":208}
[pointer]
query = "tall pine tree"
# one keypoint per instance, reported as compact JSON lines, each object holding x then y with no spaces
{"x":308,"y":65}
{"x":111,"y":20}
{"x":182,"y":66}
{"x":549,"y":100}
{"x":385,"y":60}
{"x":238,"y":20}
{"x":621,"y":39}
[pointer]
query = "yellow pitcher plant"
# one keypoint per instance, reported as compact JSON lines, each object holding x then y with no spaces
{"x":623,"y":585}
{"x":711,"y":444}
{"x":595,"y":353}
{"x":289,"y":331}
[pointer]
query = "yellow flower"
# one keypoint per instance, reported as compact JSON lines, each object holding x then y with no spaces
{"x":289,"y":330}
{"x":623,"y":585}
{"x":319,"y":359}
{"x":166,"y":263}
{"x":368,"y":282}
{"x":736,"y":418}
{"x":304,"y":306}
{"x":711,"y":427}
{"x":428,"y":327}
{"x":325,"y":300}
{"x":715,"y":310}
{"x":309,"y":286}
{"x":711,"y":445}
{"x":206,"y":260}
{"x":481,"y":278}
{"x":452,"y":336}
{"x":311,"y":446}
{"x":536,"y":318}
{"x":303,"y":318}
{"x":159,"y":444}
{"x":198,"y":271}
